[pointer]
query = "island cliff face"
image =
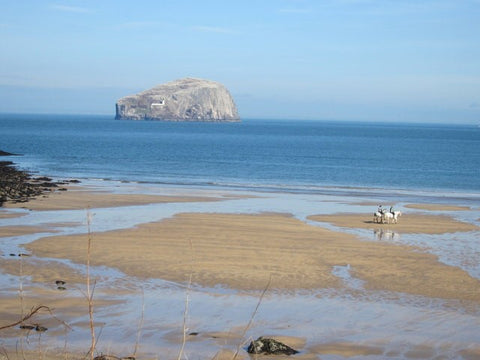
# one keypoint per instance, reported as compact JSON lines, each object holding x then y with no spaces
{"x":180,"y":100}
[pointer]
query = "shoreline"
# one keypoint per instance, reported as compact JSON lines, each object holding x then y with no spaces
{"x":237,"y":249}
{"x":433,"y":197}
{"x":80,"y":198}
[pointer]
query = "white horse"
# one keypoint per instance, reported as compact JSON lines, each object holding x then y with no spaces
{"x":377,"y":217}
{"x":387,"y":217}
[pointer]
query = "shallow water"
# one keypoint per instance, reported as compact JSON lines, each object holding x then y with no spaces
{"x":391,"y":325}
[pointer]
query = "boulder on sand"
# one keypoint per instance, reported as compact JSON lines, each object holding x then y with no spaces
{"x":269,"y":346}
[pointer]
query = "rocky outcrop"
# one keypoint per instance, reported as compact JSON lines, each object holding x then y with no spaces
{"x":181,"y":100}
{"x":19,"y":186}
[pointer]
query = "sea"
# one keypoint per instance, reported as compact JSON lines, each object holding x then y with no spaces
{"x":298,"y":167}
{"x":286,"y":155}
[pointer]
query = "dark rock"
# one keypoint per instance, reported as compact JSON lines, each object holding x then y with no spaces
{"x":27,"y":327}
{"x":61,"y":288}
{"x":60,"y":282}
{"x":48,"y":184}
{"x":269,"y":346}
{"x":18,"y":186}
{"x":40,"y":328}
{"x":43,"y":178}
{"x":4,"y":153}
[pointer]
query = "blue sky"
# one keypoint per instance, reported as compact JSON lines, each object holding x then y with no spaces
{"x":403,"y":60}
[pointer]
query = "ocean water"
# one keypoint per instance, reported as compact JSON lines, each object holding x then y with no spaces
{"x":266,"y":154}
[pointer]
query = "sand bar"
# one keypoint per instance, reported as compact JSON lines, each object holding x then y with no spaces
{"x":8,"y":231}
{"x":407,"y":223}
{"x":243,"y":251}
{"x":8,"y":215}
{"x":437,"y":207}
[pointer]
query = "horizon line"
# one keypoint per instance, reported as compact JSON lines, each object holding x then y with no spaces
{"x":261,"y":118}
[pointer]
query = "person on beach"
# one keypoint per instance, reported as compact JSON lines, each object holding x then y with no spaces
{"x":380,"y":209}
{"x":391,"y":209}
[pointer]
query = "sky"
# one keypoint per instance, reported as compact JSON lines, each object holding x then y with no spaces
{"x":374,"y":60}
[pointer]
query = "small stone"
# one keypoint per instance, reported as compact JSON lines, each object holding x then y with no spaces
{"x":27,"y":327}
{"x":40,"y":328}
{"x":61,"y":288}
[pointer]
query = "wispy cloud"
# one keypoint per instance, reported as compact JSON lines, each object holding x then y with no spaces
{"x":213,"y":29}
{"x":67,"y":8}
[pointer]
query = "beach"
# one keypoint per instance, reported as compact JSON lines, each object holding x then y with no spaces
{"x":225,"y":257}
{"x":240,"y":180}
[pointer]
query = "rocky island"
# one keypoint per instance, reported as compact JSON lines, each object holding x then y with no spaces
{"x":186,"y":99}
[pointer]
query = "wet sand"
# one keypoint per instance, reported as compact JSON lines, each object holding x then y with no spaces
{"x":437,"y":207}
{"x":78,"y":198}
{"x":7,"y":231}
{"x":244,"y":252}
{"x":7,"y":215}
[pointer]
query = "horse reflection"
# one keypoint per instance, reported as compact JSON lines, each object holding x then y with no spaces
{"x":386,"y":235}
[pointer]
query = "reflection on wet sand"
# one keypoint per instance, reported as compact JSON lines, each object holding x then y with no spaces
{"x":386,"y":235}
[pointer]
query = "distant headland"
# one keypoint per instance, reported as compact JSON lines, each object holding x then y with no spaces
{"x":185,"y":99}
